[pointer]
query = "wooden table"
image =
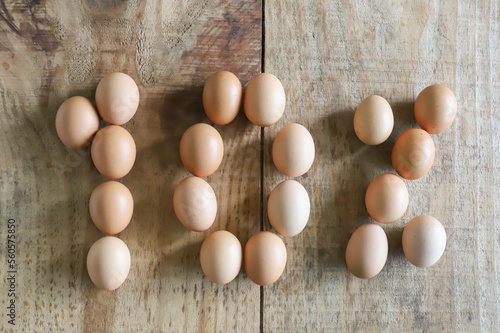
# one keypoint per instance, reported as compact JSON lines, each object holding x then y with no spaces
{"x":329,"y":56}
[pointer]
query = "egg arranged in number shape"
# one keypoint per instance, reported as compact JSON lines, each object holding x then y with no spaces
{"x":387,"y":198}
{"x":293,"y":150}
{"x":367,"y":251}
{"x":108,"y":263}
{"x":373,"y":120}
{"x":113,"y":151}
{"x":264,"y":100}
{"x":195,"y":204}
{"x":201,"y":149}
{"x":435,"y":108}
{"x":265,"y":258}
{"x":288,"y":208}
{"x":111,"y":207}
{"x":76,"y":122}
{"x":117,"y":98}
{"x":413,"y":154}
{"x":222,"y":96}
{"x":424,"y":241}
{"x":221,"y":257}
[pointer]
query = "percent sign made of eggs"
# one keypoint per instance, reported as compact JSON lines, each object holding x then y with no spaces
{"x":202,"y":150}
{"x":387,"y":197}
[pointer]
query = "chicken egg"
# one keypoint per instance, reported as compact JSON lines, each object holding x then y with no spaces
{"x":265,"y":258}
{"x":201,"y":149}
{"x":108,"y":263}
{"x":293,"y":150}
{"x":435,"y":108}
{"x":413,"y":154}
{"x":222,"y":97}
{"x":76,"y":122}
{"x":264,"y":100}
{"x":195,"y":204}
{"x":111,"y":207}
{"x":373,"y":120}
{"x":387,"y":198}
{"x":367,"y":251}
{"x":288,"y":208}
{"x":113,"y":151}
{"x":221,"y":257}
{"x":424,"y":241}
{"x":117,"y":98}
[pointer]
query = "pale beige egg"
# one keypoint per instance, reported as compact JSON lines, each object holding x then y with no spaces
{"x":288,"y":208}
{"x":221,"y":257}
{"x":424,"y":241}
{"x":108,"y":263}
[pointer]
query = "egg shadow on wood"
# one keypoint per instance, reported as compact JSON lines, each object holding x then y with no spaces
{"x":394,"y":238}
{"x":342,"y":201}
{"x":404,"y":119}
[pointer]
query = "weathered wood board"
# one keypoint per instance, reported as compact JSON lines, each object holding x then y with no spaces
{"x":329,"y":56}
{"x":55,"y":49}
{"x":332,"y":54}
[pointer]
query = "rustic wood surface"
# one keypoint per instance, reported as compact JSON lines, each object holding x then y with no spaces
{"x":329,"y":56}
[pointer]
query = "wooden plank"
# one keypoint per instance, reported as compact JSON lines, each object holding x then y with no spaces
{"x":56,"y":49}
{"x":332,"y":54}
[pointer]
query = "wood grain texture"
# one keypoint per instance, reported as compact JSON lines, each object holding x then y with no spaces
{"x":329,"y":56}
{"x":56,"y":49}
{"x":332,"y":54}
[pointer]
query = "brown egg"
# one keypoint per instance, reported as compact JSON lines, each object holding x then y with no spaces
{"x":424,"y":241}
{"x":117,"y":98}
{"x":222,"y":97}
{"x":201,"y":149}
{"x":195,"y":204}
{"x":264,"y":100}
{"x":76,"y":122}
{"x":293,"y":150}
{"x":265,"y":258}
{"x":366,"y":251}
{"x":111,"y":206}
{"x":113,"y":151}
{"x":373,"y":120}
{"x":108,"y":263}
{"x":413,"y":154}
{"x":221,"y":256}
{"x":435,"y":108}
{"x":387,"y":198}
{"x":288,"y":208}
